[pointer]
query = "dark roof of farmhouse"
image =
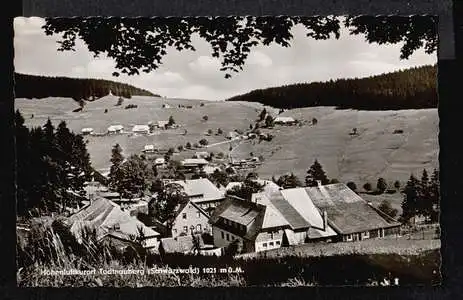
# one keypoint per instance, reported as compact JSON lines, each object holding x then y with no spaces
{"x":348,"y":212}
{"x":242,"y":212}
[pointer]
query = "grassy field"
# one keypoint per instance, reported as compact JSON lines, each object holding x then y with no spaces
{"x":374,"y":152}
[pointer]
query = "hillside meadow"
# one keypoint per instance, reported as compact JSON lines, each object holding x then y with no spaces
{"x":375,"y":151}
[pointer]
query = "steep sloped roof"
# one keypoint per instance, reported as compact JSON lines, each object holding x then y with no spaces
{"x":292,"y":216}
{"x":102,"y":214}
{"x":273,"y":217}
{"x":347,"y":211}
{"x":299,"y":199}
{"x":201,"y":187}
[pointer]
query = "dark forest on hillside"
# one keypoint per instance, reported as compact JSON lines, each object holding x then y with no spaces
{"x":32,"y":86}
{"x":412,"y":88}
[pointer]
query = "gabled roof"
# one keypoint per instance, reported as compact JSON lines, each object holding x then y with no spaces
{"x":180,"y":244}
{"x":292,"y":216}
{"x":273,"y":217}
{"x":140,"y":128}
{"x":182,"y":206}
{"x":243,"y":212}
{"x":347,"y":211}
{"x":102,"y":214}
{"x":115,"y":127}
{"x":201,"y":187}
{"x":299,"y":199}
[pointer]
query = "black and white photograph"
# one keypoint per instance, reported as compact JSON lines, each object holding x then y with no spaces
{"x":241,"y":151}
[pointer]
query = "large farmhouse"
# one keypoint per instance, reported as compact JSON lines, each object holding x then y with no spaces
{"x":351,"y":216}
{"x":295,"y":216}
{"x":202,"y":192}
{"x":113,"y":225}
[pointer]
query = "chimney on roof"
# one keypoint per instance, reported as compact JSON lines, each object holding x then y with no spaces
{"x":319,"y":183}
{"x":325,"y":220}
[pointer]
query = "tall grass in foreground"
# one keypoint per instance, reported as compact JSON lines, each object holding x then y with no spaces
{"x":54,"y":248}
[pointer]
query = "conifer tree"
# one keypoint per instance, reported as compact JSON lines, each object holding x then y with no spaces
{"x":410,"y":200}
{"x":425,"y":201}
{"x":316,"y":173}
{"x":262,"y":115}
{"x":115,"y":171}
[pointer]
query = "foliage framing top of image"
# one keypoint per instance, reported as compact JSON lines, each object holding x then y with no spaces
{"x":139,"y":44}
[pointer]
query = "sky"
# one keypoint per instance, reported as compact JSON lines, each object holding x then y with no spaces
{"x":196,"y":74}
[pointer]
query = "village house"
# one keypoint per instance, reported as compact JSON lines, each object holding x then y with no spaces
{"x":141,"y":129}
{"x":149,"y":149}
{"x":113,"y":225}
{"x":87,"y":131}
{"x":202,"y":192}
{"x":284,"y":120}
{"x":194,"y":164}
{"x":162,"y":124}
{"x":190,"y":219}
{"x":202,"y":154}
{"x":115,"y":129}
{"x":232,"y":135}
{"x":160,"y":161}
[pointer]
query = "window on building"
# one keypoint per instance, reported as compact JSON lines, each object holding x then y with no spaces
{"x":349,"y":237}
{"x":185,"y":228}
{"x":192,"y":228}
{"x":264,"y":245}
{"x":198,"y":227}
{"x":270,"y":244}
{"x":228,"y":237}
{"x":198,"y":214}
{"x":184,"y":215}
{"x":223,"y":235}
{"x":277,"y":242}
{"x":366,"y":234}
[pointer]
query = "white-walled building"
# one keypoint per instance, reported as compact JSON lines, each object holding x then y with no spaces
{"x":191,"y":219}
{"x":141,"y":129}
{"x":87,"y":130}
{"x":115,"y":129}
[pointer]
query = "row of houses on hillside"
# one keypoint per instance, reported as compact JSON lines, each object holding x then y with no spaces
{"x":272,"y":219}
{"x":138,"y":129}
